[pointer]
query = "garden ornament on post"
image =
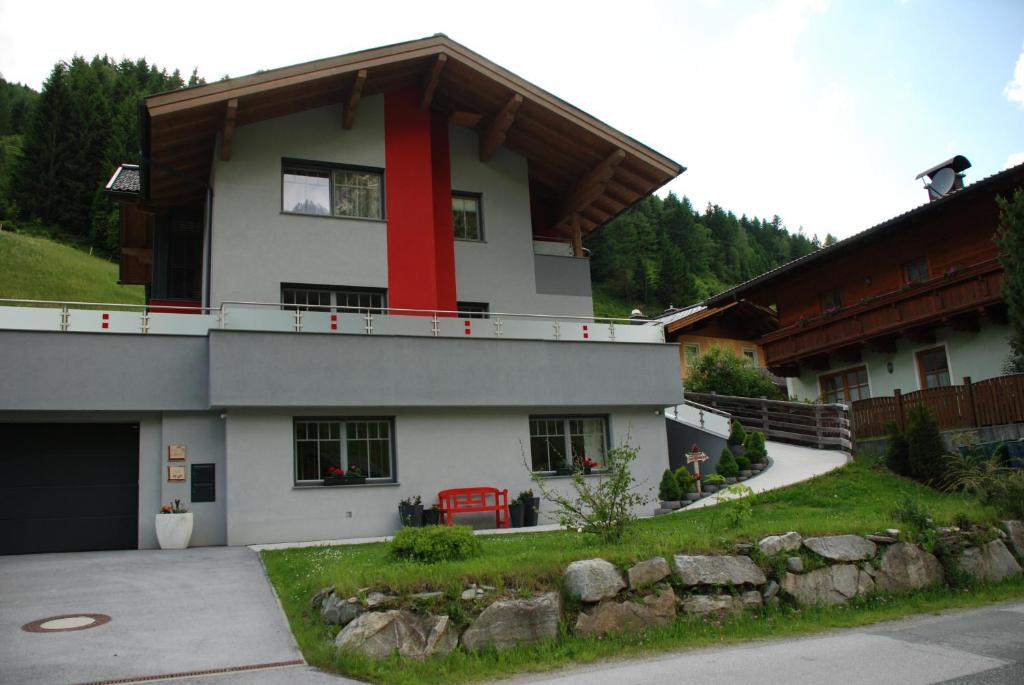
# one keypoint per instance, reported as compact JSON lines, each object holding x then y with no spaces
{"x":695,"y":457}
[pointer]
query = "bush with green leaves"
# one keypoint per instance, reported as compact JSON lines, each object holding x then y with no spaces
{"x":925,"y":449}
{"x":714,"y":479}
{"x":668,"y":490}
{"x":687,"y":483}
{"x":723,"y":371}
{"x":727,"y":465}
{"x":737,"y":435}
{"x":601,"y":506}
{"x":1007,"y":495}
{"x":435,"y":543}
{"x":753,"y":447}
{"x":743,"y":462}
{"x":897,"y":453}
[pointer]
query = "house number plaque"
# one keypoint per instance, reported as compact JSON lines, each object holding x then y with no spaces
{"x":175,"y":473}
{"x":176,"y":452}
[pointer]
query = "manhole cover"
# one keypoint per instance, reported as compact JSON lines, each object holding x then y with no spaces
{"x":65,"y":623}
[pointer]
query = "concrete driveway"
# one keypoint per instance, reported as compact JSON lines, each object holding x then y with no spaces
{"x":171,"y":612}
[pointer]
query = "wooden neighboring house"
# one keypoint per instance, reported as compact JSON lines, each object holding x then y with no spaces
{"x":734,"y":326}
{"x":911,"y":303}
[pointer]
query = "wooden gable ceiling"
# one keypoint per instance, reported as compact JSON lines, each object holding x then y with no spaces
{"x":579,"y":167}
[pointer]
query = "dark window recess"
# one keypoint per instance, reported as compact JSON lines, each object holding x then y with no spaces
{"x":473,"y":310}
{"x":184,"y":259}
{"x":831,"y":300}
{"x":915,"y":271}
{"x":204,"y":483}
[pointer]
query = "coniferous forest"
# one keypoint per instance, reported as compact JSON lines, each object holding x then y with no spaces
{"x":59,"y":146}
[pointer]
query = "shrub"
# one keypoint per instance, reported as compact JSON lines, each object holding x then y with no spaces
{"x":687,"y":483}
{"x":897,"y":454}
{"x":602,"y":506}
{"x":714,"y":479}
{"x":668,"y":490}
{"x":723,"y":371}
{"x":1007,"y":495}
{"x":727,"y":465}
{"x":435,"y":543}
{"x":753,"y":447}
{"x":742,"y":462}
{"x":737,"y":435}
{"x":924,"y":445}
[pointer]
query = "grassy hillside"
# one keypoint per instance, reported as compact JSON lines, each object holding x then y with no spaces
{"x":39,"y":269}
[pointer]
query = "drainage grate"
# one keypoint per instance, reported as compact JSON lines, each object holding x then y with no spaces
{"x":194,"y":674}
{"x":66,"y":623}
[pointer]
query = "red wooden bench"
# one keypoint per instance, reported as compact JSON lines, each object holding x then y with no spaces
{"x":474,"y":500}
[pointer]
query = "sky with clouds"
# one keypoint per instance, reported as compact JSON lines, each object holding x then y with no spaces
{"x":822,"y":112}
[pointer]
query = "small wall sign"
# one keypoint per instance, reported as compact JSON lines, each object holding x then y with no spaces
{"x":175,"y":473}
{"x":176,"y":452}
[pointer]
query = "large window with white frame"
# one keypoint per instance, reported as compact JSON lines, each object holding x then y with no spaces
{"x":467,"y":216}
{"x":321,"y":189}
{"x":333,"y":298}
{"x":356,"y":445}
{"x":562,"y":441}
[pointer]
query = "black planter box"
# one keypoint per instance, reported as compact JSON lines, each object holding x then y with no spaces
{"x":431,"y":517}
{"x":345,"y":480}
{"x":411,"y":515}
{"x":515,"y":514}
{"x":530,"y":507}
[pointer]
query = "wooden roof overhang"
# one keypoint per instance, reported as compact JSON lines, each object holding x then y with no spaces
{"x":743,"y":315}
{"x":582,"y":170}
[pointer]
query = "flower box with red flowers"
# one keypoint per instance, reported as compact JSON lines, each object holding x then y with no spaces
{"x":588,"y":465}
{"x":338,"y":476}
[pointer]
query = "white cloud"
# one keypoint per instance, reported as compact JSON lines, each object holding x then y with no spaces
{"x":1014,"y":90}
{"x":1014,"y":159}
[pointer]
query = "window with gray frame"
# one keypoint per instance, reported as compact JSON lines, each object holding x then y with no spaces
{"x":365,"y":444}
{"x":556,"y":441}
{"x":331,"y":190}
{"x":473,"y":310}
{"x":322,"y":298}
{"x":467,"y":217}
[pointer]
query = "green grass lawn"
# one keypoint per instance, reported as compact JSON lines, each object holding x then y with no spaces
{"x":34,"y":268}
{"x":854,"y":499}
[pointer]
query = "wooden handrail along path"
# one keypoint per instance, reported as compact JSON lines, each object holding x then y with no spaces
{"x":814,"y":425}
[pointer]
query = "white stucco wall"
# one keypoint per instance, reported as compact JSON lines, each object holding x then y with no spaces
{"x":434,"y":450}
{"x":978,"y":355}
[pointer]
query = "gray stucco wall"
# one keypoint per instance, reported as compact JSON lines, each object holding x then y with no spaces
{"x":434,"y":450}
{"x":256,"y":248}
{"x":251,"y":369}
{"x":978,"y":355}
{"x":50,"y":371}
{"x":562,"y":275}
{"x":203,"y":437}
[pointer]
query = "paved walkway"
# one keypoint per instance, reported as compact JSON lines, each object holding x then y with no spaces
{"x":979,"y":646}
{"x":791,"y":464}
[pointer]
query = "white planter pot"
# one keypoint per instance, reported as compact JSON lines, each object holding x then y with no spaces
{"x":174,"y":530}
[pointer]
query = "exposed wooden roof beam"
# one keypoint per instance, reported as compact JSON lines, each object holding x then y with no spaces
{"x":494,"y":136}
{"x":433,"y":78}
{"x":348,"y":116}
{"x":230,"y":114}
{"x":590,"y":187}
{"x":466,"y":119}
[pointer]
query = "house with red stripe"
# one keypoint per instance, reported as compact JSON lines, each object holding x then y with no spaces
{"x":370,"y":263}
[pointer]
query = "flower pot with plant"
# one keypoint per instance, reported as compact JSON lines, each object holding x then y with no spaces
{"x":531,"y":507}
{"x":338,"y":476}
{"x":588,"y":465}
{"x":410,"y":511}
{"x":174,"y":526}
{"x":516,"y":509}
{"x":431,"y":516}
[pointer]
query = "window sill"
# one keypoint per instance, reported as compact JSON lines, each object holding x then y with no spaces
{"x":479,"y":241}
{"x":555,"y":476}
{"x":331,"y":216}
{"x":318,"y":486}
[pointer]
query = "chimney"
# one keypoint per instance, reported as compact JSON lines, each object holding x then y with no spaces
{"x":944,"y":178}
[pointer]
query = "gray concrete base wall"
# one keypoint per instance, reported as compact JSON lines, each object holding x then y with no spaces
{"x":434,"y":450}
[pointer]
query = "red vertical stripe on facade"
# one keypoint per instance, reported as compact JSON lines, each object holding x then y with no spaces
{"x":421,"y":252}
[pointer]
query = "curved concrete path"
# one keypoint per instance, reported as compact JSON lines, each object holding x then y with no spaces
{"x":791,"y":464}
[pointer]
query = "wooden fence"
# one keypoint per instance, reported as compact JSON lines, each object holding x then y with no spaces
{"x":816,"y":425}
{"x":991,"y":402}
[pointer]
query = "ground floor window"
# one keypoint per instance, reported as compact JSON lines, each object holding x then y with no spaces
{"x":933,"y":368}
{"x":560,"y":441}
{"x":750,"y":354}
{"x":691,"y":353}
{"x":365,"y":445}
{"x":846,"y":386}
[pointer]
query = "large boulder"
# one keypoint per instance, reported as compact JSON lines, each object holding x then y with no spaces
{"x":1014,"y":537}
{"x":609,"y":617}
{"x":827,"y":586}
{"x":379,"y":634}
{"x":906,"y":567}
{"x":989,"y":563}
{"x":842,"y":547}
{"x":773,"y":544}
{"x":592,"y":580}
{"x":724,"y":570}
{"x":648,"y":572}
{"x":507,"y":623}
{"x":702,"y":605}
{"x":338,"y":610}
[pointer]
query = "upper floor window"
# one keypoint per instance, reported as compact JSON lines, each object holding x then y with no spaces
{"x":750,"y":354}
{"x":467,"y":219}
{"x":322,"y":298}
{"x":327,"y":190}
{"x":473,"y":310}
{"x":915,"y":271}
{"x":831,"y":300}
{"x":691,"y":353}
{"x":933,"y":368}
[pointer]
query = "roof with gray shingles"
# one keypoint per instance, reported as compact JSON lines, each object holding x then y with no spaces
{"x":125,"y":180}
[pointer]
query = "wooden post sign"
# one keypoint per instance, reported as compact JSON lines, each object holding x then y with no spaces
{"x":695,"y":457}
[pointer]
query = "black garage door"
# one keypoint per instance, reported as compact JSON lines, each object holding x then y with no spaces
{"x":68,"y":487}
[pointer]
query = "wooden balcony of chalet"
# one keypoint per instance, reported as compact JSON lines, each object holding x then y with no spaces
{"x":957,"y":300}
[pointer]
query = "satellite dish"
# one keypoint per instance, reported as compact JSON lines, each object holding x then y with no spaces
{"x":942,"y":182}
